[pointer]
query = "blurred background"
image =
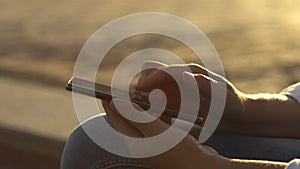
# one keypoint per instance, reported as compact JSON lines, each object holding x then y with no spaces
{"x":258,"y":42}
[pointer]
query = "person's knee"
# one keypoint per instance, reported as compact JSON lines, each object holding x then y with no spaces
{"x":80,"y":151}
{"x":72,"y":155}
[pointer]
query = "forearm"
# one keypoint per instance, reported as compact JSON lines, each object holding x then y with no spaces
{"x":219,"y":162}
{"x":271,"y":115}
{"x":254,"y":164}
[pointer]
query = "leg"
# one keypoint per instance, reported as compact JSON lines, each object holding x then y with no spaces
{"x":256,"y":148}
{"x":81,"y":152}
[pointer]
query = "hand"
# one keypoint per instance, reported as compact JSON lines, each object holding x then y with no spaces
{"x":187,"y":154}
{"x":155,"y":77}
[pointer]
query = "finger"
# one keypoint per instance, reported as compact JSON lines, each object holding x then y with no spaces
{"x":119,"y":123}
{"x":153,"y":128}
{"x":203,"y":82}
{"x":148,"y":68}
{"x":166,"y":119}
{"x":153,"y":80}
{"x":195,"y":130}
{"x":153,"y":65}
{"x":204,"y":107}
{"x":159,"y":77}
{"x":105,"y":104}
{"x":163,"y":73}
{"x":198,"y":69}
{"x":204,"y":86}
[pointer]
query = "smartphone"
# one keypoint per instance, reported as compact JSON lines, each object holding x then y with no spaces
{"x":103,"y":92}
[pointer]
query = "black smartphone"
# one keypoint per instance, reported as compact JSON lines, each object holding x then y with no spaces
{"x":103,"y":92}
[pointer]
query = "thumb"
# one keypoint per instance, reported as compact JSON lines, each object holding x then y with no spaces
{"x":150,"y":129}
{"x":186,"y":126}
